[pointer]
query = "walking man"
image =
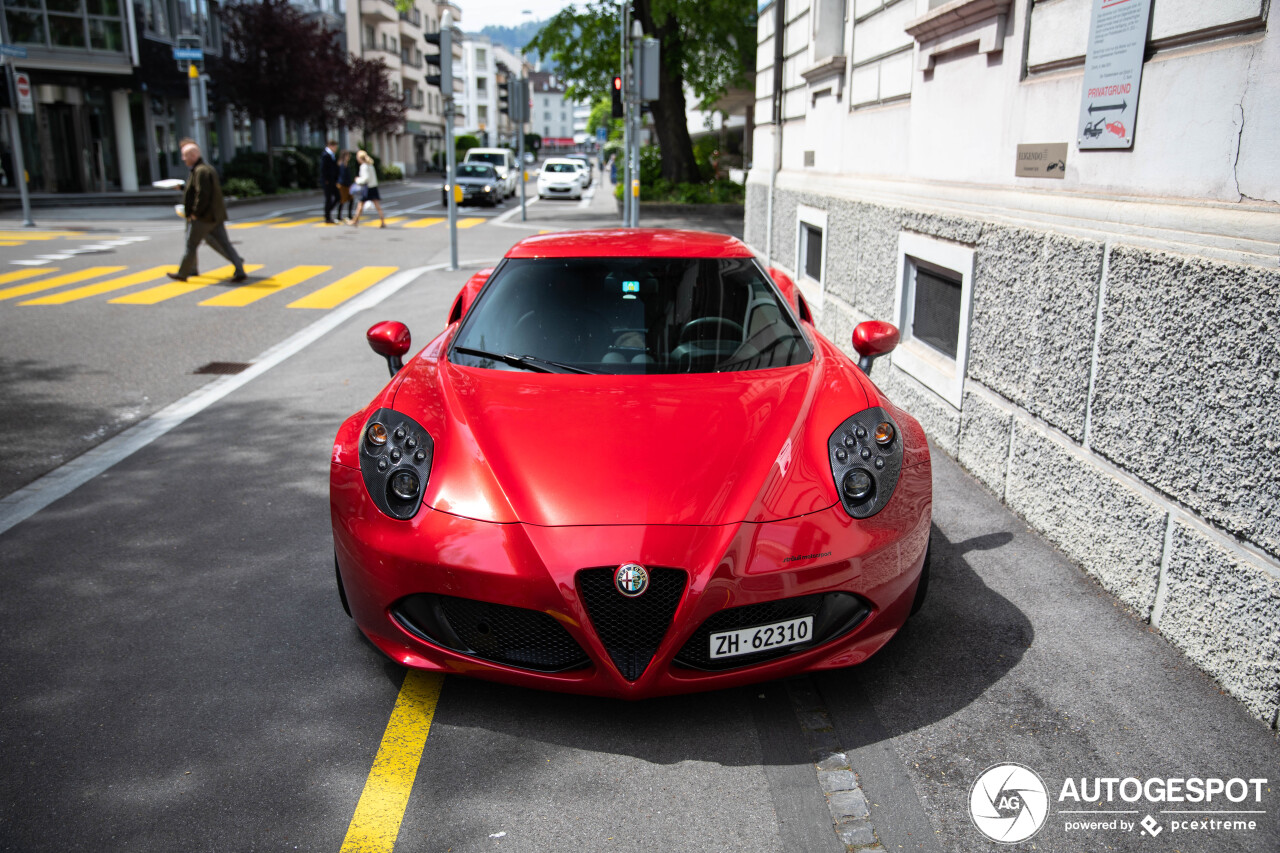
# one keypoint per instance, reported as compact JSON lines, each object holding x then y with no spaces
{"x":206,"y":215}
{"x":329,"y":177}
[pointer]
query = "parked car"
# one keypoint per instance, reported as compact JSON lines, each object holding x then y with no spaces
{"x":503,"y":160}
{"x":584,"y":162}
{"x":630,"y":466}
{"x":560,"y":178}
{"x":479,"y":182}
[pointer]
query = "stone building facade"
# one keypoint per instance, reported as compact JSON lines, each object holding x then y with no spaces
{"x":1101,"y":350}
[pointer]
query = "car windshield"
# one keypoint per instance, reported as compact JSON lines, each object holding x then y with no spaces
{"x":630,"y":316}
{"x":560,"y":167}
{"x":474,"y":170}
{"x":495,"y":159}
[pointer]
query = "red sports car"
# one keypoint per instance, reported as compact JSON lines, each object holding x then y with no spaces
{"x":630,"y":466}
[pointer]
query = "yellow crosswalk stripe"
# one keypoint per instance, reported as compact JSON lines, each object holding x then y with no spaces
{"x":174,"y":289}
{"x":19,"y":275}
{"x":258,"y":222}
{"x":344,"y":288}
{"x":295,"y":223}
{"x":424,"y":223}
{"x":12,"y":243}
{"x":102,"y":287}
{"x":37,"y":235}
{"x":247,"y":294}
{"x":470,"y":222}
{"x":57,"y":281}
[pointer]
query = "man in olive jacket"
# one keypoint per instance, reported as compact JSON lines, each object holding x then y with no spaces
{"x":206,"y":215}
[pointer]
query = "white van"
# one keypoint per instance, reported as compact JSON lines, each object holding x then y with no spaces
{"x":503,"y":160}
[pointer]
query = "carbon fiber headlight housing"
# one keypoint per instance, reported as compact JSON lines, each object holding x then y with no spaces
{"x":395,"y":460}
{"x":865,"y":471}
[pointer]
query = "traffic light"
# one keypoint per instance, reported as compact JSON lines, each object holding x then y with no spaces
{"x":616,"y":89}
{"x":504,"y":97}
{"x":440,"y":65}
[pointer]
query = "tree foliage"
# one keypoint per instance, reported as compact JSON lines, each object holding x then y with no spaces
{"x":707,"y":45}
{"x":366,"y":99}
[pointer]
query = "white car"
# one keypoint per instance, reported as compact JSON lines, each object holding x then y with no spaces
{"x":503,"y":160}
{"x":560,"y":178}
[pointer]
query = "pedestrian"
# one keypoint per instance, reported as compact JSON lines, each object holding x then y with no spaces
{"x":329,"y":178}
{"x":345,"y":179}
{"x":368,"y":178}
{"x":206,"y":215}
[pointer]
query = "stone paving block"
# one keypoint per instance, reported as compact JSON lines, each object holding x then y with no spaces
{"x":848,"y":804}
{"x":984,"y":440}
{"x":1187,"y":395}
{"x":1116,"y":534}
{"x":1223,"y":610}
{"x":856,"y":834}
{"x":837,"y":780}
{"x":834,"y":761}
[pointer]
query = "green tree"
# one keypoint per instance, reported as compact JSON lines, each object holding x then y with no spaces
{"x":707,"y":45}
{"x":602,"y":116}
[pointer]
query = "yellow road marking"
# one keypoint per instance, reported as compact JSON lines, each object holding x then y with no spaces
{"x":297,"y":222}
{"x":376,"y":822}
{"x":344,"y":288}
{"x":102,"y":287}
{"x":256,"y":223}
{"x":423,"y":223}
{"x":471,"y":222}
{"x":19,"y":275}
{"x":545,"y":231}
{"x":57,"y":281}
{"x":37,"y":235}
{"x":247,"y":294}
{"x":153,"y":295}
{"x":12,"y":243}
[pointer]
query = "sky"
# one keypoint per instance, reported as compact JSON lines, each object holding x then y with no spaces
{"x":477,"y":14}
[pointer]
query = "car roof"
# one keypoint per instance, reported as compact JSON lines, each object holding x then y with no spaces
{"x":489,"y":151}
{"x":561,"y":160}
{"x":630,"y":243}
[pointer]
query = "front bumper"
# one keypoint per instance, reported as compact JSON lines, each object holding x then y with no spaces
{"x":441,"y":560}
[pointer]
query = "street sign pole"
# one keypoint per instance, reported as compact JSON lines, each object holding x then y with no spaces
{"x":193,"y":92}
{"x":626,"y":119}
{"x":15,"y":136}
{"x":637,"y":35}
{"x":522,"y":92}
{"x":451,"y":156}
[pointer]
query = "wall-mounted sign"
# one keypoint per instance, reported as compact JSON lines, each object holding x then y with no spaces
{"x":1113,"y":73}
{"x":1048,"y":160}
{"x":22,"y":84}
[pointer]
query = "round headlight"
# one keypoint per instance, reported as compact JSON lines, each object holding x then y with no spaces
{"x":884,"y":433}
{"x":488,"y":188}
{"x":404,"y":485}
{"x":858,"y":485}
{"x":377,"y":434}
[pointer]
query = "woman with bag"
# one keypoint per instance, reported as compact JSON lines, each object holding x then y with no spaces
{"x":368,"y":179}
{"x":344,"y":188}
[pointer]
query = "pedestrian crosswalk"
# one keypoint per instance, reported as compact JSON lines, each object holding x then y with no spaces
{"x":318,"y":287}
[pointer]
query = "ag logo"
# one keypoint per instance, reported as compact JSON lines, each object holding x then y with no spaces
{"x":1008,"y":803}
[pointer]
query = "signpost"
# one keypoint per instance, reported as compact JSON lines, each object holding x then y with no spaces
{"x":22,"y":85}
{"x":20,"y":96}
{"x":1113,"y":73}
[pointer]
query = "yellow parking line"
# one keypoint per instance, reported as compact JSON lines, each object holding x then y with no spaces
{"x":37,"y":235}
{"x":344,"y":288}
{"x":12,"y":243}
{"x":57,"y":281}
{"x":247,"y":294}
{"x":295,"y":223}
{"x":153,"y":295}
{"x":256,"y":223}
{"x":102,"y":287}
{"x":471,"y":222}
{"x":423,"y":223}
{"x":19,"y":275}
{"x":379,"y":812}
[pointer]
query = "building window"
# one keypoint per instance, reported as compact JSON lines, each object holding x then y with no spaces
{"x":481,"y":56}
{"x":811,"y":252}
{"x":934,"y":295}
{"x":482,"y":85}
{"x":811,"y":237}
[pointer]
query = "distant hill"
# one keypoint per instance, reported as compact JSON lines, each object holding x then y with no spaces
{"x":515,"y":38}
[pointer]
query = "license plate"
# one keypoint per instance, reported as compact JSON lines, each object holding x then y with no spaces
{"x":747,"y":641}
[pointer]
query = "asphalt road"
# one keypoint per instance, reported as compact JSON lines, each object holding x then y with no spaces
{"x":176,"y":672}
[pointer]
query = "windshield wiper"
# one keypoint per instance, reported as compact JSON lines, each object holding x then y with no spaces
{"x":528,"y":362}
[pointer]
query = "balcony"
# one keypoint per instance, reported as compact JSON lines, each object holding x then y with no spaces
{"x":378,"y":11}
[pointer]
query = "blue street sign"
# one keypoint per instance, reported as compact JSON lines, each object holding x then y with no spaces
{"x":11,"y":50}
{"x":194,"y":54}
{"x":601,"y":134}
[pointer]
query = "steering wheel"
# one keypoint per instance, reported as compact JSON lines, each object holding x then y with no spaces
{"x":702,"y":322}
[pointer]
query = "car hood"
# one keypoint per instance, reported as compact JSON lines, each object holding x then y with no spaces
{"x":552,"y":449}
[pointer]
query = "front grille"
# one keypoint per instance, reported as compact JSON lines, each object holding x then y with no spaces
{"x":834,"y":614}
{"x":516,"y":636}
{"x":631,"y":628}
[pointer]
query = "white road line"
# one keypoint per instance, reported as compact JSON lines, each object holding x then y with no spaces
{"x":505,"y":217}
{"x":587,"y":195}
{"x":62,"y":481}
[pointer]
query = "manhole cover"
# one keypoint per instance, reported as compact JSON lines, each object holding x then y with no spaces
{"x":222,"y":368}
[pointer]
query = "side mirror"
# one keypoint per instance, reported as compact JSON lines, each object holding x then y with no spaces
{"x":873,"y":339}
{"x":390,"y":340}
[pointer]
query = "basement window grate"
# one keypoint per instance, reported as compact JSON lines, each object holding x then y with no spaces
{"x":221,"y":368}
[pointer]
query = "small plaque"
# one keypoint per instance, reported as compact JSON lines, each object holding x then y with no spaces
{"x":1048,"y":160}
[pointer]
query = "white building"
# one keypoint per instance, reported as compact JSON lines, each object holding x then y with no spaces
{"x":1096,"y":343}
{"x":486,"y":68}
{"x":552,"y":115}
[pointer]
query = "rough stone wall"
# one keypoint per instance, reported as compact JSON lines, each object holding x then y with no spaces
{"x":1162,"y":484}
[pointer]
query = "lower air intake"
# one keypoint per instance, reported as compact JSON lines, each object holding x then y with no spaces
{"x":631,"y":628}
